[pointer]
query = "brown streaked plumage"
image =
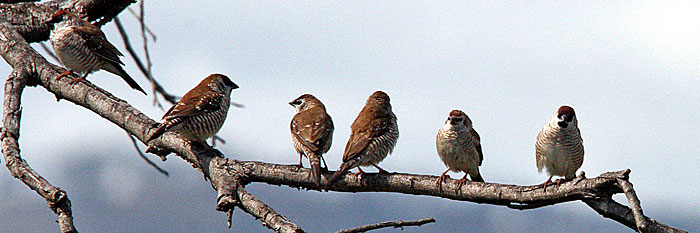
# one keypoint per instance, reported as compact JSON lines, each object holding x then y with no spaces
{"x":312,"y":132}
{"x":373,"y":137}
{"x":459,"y":147}
{"x":559,"y":146}
{"x":201,"y":112}
{"x":83,"y":48}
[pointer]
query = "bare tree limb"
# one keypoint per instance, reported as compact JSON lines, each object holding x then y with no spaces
{"x":395,"y":224}
{"x":636,"y":207}
{"x":28,"y":18}
{"x":57,"y":198}
{"x":610,"y":209}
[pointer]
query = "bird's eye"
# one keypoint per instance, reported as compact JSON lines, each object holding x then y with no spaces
{"x":458,"y":119}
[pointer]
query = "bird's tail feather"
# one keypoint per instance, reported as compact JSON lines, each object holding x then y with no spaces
{"x":132,"y":83}
{"x":159,"y":131}
{"x":315,"y":169}
{"x":477,"y":178}
{"x":341,"y":171}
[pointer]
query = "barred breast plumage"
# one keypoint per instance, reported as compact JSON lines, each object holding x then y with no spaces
{"x":459,"y":148}
{"x":559,"y":147}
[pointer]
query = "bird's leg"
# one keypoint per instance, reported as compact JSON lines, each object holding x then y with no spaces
{"x":380,"y":169}
{"x":79,"y":79}
{"x":64,"y":74}
{"x":442,"y":179}
{"x":359,"y":174}
{"x":544,"y":185}
{"x":561,"y":180}
{"x":300,"y":164}
{"x":461,"y":182}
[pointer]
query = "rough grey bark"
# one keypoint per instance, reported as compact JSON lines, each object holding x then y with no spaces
{"x":228,"y":176}
{"x":9,"y":135}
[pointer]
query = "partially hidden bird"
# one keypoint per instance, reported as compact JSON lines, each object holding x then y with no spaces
{"x":373,"y":136}
{"x":201,"y":112}
{"x":83,"y":48}
{"x":559,"y":147}
{"x":312,"y":132}
{"x":459,"y":148}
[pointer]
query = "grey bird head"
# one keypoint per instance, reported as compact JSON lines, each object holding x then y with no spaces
{"x":566,"y":117}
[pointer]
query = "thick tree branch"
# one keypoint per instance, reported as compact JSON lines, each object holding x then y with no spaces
{"x":634,"y":203}
{"x":28,"y":18}
{"x":57,"y":198}
{"x":395,"y":224}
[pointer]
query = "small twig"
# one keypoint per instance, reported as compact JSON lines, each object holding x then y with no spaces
{"x":217,"y":138}
{"x":395,"y":224}
{"x":634,"y":204}
{"x":143,"y":156}
{"x":149,"y":65}
{"x":230,"y":216}
{"x":49,"y":51}
{"x":158,"y":88}
{"x":148,"y":30}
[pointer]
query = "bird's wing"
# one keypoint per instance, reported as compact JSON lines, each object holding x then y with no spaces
{"x":193,"y":104}
{"x":311,"y":128}
{"x":477,"y":145}
{"x":539,"y":152}
{"x":97,"y":42}
{"x":366,"y":128}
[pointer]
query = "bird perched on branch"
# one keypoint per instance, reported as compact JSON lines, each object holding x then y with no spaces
{"x":201,"y":112}
{"x":83,"y":48}
{"x":459,"y":147}
{"x":559,"y":146}
{"x":312,"y":132}
{"x":373,"y":137}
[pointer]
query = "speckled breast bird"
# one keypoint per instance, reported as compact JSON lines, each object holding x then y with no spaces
{"x":459,"y":147}
{"x":312,"y":132}
{"x":373,"y":136}
{"x":201,"y":112}
{"x":559,"y":146}
{"x":83,"y":48}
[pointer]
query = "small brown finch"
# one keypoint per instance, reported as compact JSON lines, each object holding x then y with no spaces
{"x":373,"y":137}
{"x":83,"y":48}
{"x":459,"y":147}
{"x":201,"y":112}
{"x":312,"y":132}
{"x":559,"y":146}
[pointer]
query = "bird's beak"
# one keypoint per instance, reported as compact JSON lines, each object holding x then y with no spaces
{"x":291,"y":103}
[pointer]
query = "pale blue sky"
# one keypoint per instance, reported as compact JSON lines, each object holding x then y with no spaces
{"x":630,"y":71}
